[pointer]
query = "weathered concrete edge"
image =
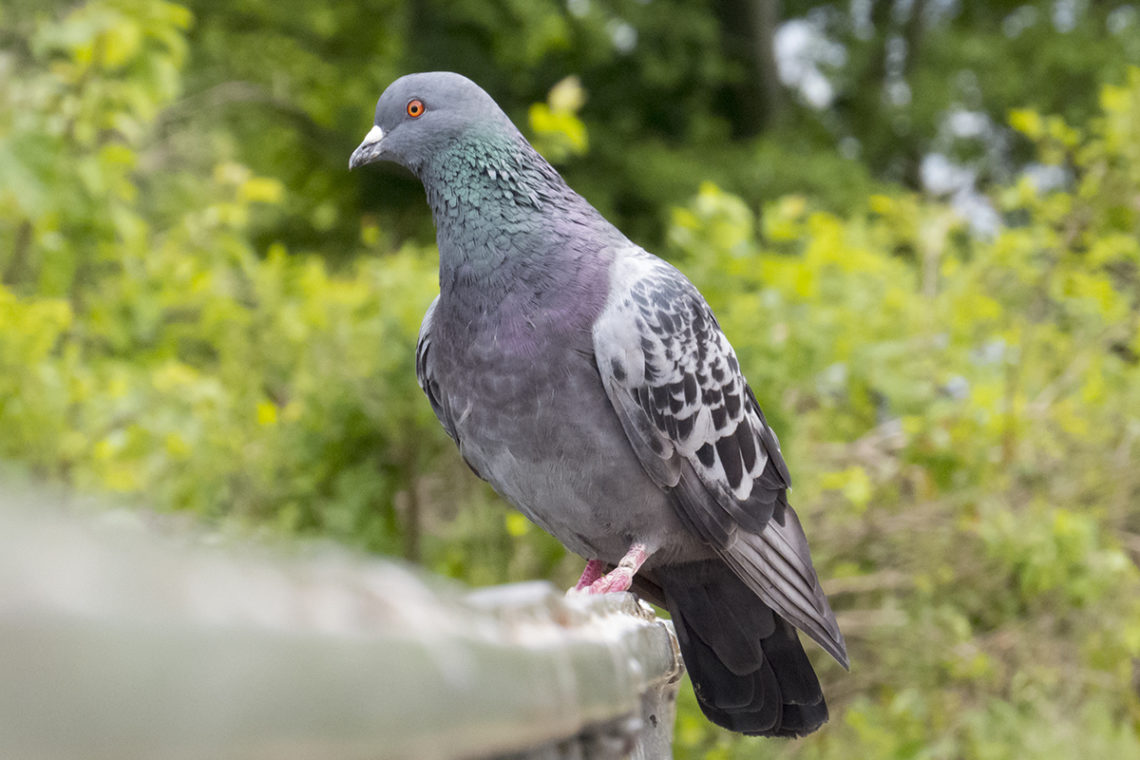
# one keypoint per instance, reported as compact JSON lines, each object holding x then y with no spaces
{"x":117,"y":642}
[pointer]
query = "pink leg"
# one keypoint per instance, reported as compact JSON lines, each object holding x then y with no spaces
{"x":621,"y":577}
{"x":593,"y":570}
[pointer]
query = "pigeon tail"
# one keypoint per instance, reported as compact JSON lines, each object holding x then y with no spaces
{"x":748,"y":669}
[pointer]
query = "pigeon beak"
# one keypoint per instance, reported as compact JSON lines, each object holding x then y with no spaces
{"x":368,"y":151}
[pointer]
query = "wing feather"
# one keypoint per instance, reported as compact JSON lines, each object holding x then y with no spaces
{"x":425,"y":372}
{"x":429,"y":384}
{"x":676,"y":386}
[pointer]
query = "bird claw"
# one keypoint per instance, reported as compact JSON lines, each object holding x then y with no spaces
{"x":593,"y":570}
{"x":612,"y":582}
{"x":617,"y":580}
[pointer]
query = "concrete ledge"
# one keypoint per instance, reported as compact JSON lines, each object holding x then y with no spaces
{"x":118,"y":642}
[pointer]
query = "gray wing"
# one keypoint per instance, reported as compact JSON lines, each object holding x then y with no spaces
{"x":429,"y":384}
{"x":675,"y":384}
{"x":425,"y":373}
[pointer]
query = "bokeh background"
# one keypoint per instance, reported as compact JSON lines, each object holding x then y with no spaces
{"x":917,"y":220}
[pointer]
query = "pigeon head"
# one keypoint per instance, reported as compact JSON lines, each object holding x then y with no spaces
{"x":490,"y":193}
{"x":421,"y":115}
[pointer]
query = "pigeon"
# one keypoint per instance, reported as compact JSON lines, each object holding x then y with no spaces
{"x":590,"y":384}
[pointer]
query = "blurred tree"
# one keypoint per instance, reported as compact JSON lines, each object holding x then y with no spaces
{"x":748,"y":32}
{"x":674,"y":90}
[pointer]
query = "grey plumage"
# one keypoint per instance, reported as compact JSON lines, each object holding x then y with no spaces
{"x":589,"y":382}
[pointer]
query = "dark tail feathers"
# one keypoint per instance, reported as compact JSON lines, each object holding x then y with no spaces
{"x":749,"y":671}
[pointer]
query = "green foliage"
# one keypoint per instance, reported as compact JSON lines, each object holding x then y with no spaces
{"x":196,"y":312}
{"x":180,"y":364}
{"x":961,"y":418}
{"x":558,"y":132}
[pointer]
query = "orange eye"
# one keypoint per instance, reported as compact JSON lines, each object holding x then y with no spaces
{"x":415,"y":108}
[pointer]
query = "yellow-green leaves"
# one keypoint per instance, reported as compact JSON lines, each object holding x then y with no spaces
{"x":962,"y":413}
{"x":558,"y":133}
{"x":714,"y":219}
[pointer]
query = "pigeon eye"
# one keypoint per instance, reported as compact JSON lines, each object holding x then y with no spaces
{"x":415,"y":108}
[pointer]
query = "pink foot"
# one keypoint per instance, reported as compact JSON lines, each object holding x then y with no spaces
{"x":621,"y":577}
{"x":594,"y":569}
